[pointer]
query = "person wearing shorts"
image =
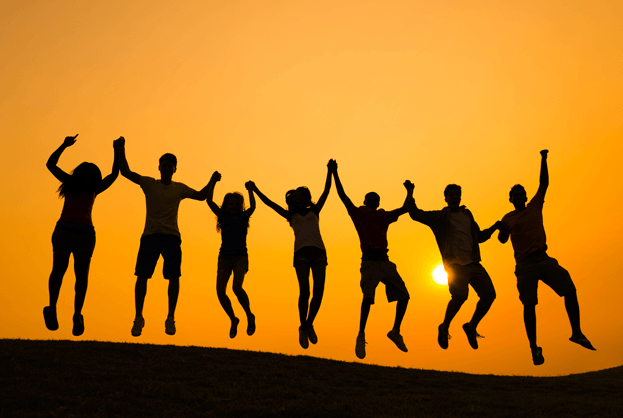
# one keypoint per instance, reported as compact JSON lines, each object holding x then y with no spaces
{"x":371,"y":224}
{"x":525,"y":228}
{"x":458,"y":237}
{"x":161,"y":236}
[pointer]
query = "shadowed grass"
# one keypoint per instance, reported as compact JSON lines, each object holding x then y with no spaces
{"x":88,"y":378}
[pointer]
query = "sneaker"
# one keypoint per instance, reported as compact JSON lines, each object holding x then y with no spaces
{"x":169,"y":326}
{"x":472,"y":336}
{"x":49,"y":316}
{"x":537,"y":356}
{"x":311,"y":334}
{"x":233,"y":330}
{"x":303,"y":338}
{"x":251,"y":324}
{"x":395,"y":336}
{"x":78,"y":328}
{"x":360,"y":347}
{"x":137,"y":328}
{"x":443,"y":336}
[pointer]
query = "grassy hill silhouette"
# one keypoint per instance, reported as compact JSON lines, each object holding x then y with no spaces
{"x":102,"y":379}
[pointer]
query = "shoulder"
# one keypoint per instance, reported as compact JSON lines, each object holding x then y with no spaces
{"x":538,"y":199}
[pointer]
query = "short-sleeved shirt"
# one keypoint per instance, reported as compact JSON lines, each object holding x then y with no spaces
{"x":526,"y":228}
{"x":233,"y":234}
{"x":462,"y":244}
{"x":162,"y":203}
{"x":371,"y":226}
{"x":306,"y":231}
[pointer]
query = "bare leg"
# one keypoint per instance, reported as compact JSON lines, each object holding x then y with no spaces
{"x":365,"y":311}
{"x":302,"y":274}
{"x":242,"y":296}
{"x":59,"y":267}
{"x":401,"y":309}
{"x":174,"y":291}
{"x":453,"y":308}
{"x":529,"y":319}
{"x":82,"y":262}
{"x":140,"y":290}
{"x":319,"y":275}
{"x":482,"y":307}
{"x":222,"y":278}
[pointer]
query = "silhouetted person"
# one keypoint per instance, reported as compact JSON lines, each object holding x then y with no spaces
{"x":458,"y":236}
{"x":524,"y":225}
{"x":232,"y":221}
{"x":309,"y":251}
{"x":74,"y":232}
{"x":161,"y":235}
{"x":371,"y":224}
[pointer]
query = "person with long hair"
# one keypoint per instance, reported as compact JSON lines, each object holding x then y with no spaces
{"x":309,"y":250}
{"x":74,"y":232}
{"x":232,"y":221}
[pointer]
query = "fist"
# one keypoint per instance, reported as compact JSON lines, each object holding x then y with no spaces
{"x":544,"y":153}
{"x":216,"y":176}
{"x":408,"y":185}
{"x":332,"y":165}
{"x":249,"y":185}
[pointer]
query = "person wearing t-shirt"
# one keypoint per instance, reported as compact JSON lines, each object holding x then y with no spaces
{"x":525,"y":228}
{"x":458,"y":237}
{"x":161,"y":235}
{"x":371,"y":224}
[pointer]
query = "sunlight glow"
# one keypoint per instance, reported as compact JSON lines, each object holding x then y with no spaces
{"x":440,"y":276}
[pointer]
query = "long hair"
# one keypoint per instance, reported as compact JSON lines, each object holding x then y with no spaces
{"x":76,"y":183}
{"x":308,"y":204}
{"x":225,"y":205}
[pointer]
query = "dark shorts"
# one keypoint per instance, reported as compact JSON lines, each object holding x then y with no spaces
{"x":542,"y":267}
{"x":474,"y":274}
{"x":229,"y":263}
{"x":375,"y":272}
{"x":152,"y":246}
{"x":310,"y":257}
{"x":73,"y":240}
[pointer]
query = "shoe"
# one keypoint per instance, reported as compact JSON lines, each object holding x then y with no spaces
{"x":137,"y":328}
{"x":303,"y":338}
{"x":251,"y":324}
{"x":583,"y":341}
{"x":169,"y":326}
{"x":360,"y":347}
{"x":78,"y":328}
{"x":49,"y":315}
{"x":397,"y":339}
{"x":233,"y":330}
{"x":311,"y":334}
{"x":443,"y":336}
{"x":537,"y":356}
{"x":472,"y":336}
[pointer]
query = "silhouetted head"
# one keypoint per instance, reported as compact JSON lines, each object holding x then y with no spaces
{"x":84,"y":179}
{"x":233,"y":205}
{"x":517,"y":196}
{"x":299,"y":199}
{"x":452,"y":194}
{"x":372,"y":200}
{"x":167,"y":166}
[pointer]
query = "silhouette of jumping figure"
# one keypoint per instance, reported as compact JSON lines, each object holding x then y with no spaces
{"x":309,"y":250}
{"x":232,"y":222}
{"x":458,"y":237}
{"x":525,"y":228}
{"x":161,"y":235}
{"x":74,"y":232}
{"x":371,"y":224}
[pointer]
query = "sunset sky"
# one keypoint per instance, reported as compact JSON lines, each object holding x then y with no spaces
{"x":435,"y":92}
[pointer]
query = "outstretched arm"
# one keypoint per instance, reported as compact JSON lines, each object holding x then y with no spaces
{"x":216,"y":176}
{"x":407,"y":204}
{"x":281,"y":211}
{"x":327,"y":188}
{"x":544,"y":176}
{"x":124,"y":168}
{"x":503,"y":235}
{"x":110,"y":179}
{"x":340,"y":189}
{"x":485,"y":234}
{"x":53,"y":160}
{"x":251,"y":209}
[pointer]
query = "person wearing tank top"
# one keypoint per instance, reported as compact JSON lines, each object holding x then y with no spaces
{"x":309,"y":250}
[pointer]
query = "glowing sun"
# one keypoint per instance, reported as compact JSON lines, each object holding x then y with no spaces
{"x":440,"y":276}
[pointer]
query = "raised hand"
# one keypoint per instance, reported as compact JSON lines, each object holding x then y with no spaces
{"x":409,"y":186}
{"x":216,"y":176}
{"x":249,"y":185}
{"x":332,"y":165}
{"x":119,"y":143}
{"x":544,"y":153}
{"x":70,"y":140}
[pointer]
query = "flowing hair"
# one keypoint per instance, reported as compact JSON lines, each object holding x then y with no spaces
{"x":76,"y":185}
{"x":225,"y":205}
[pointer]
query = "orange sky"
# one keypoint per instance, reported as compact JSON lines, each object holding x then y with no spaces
{"x":459,"y":92}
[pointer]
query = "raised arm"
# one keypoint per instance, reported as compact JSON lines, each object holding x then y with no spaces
{"x":544,"y":176}
{"x":251,"y":208}
{"x":110,"y":179}
{"x":124,"y":168}
{"x":203,"y":193}
{"x":216,"y":176}
{"x":340,"y":189}
{"x":407,"y":204}
{"x":485,"y":234}
{"x":327,"y":188}
{"x":281,"y":211}
{"x":53,"y":160}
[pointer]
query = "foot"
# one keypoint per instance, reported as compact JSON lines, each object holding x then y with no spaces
{"x":360,"y":347}
{"x":443,"y":336}
{"x":233,"y":330}
{"x":137,"y":328}
{"x":169,"y":326}
{"x":303,"y":338}
{"x":583,"y":341}
{"x":311,"y":334}
{"x":49,"y":315}
{"x":537,"y":356}
{"x":472,"y":336}
{"x":78,"y":328}
{"x":251,"y":324}
{"x":395,"y":336}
